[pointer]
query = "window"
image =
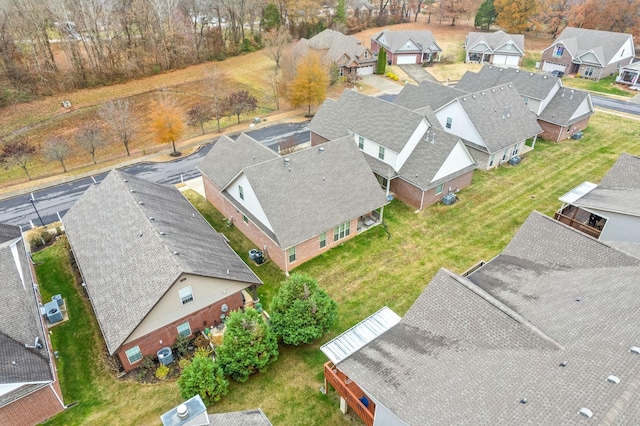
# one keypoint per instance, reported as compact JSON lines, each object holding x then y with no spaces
{"x":439,"y":189}
{"x":515,"y":150}
{"x":449,"y":122}
{"x":366,"y":54}
{"x":292,"y":254}
{"x":241,"y":192}
{"x":245,"y":219}
{"x":184,"y":330}
{"x":588,"y":72}
{"x":186,"y":295}
{"x":341,"y":231}
{"x":133,"y":354}
{"x":381,"y":153}
{"x":341,"y":72}
{"x":323,"y":240}
{"x":360,"y":142}
{"x":504,"y":155}
{"x":491,"y":160}
{"x":558,"y":51}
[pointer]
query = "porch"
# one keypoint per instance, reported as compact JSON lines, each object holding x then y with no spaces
{"x":368,"y":221}
{"x":349,"y":392}
{"x":582,"y":220}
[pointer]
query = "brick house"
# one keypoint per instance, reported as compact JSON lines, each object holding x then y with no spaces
{"x":498,"y":48}
{"x":407,"y":47}
{"x":29,"y":388}
{"x":561,"y":112}
{"x":152,"y":266}
{"x":413,"y":159}
{"x":592,"y":54}
{"x":295,"y":207}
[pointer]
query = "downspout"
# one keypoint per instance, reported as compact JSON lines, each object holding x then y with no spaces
{"x":286,"y":263}
{"x":421,"y":200}
{"x":57,"y":397}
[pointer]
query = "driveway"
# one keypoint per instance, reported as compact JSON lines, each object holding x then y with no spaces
{"x":418,"y":73}
{"x":382,"y":84}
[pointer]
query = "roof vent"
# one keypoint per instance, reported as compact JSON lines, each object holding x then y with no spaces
{"x":493,"y":90}
{"x":613,"y":379}
{"x":125,"y":180}
{"x":586,"y":412}
{"x":132,"y":190}
{"x":531,"y":74}
{"x":563,"y":364}
{"x":176,"y":253}
{"x":572,"y":91}
{"x":517,"y":70}
{"x":286,"y":161}
{"x":182,"y":411}
{"x":635,"y":350}
{"x":141,"y":233}
{"x":321,"y":150}
{"x":544,"y":76}
{"x":482,"y":93}
{"x":193,"y":215}
{"x":523,"y":401}
{"x":464,"y":99}
{"x":163,"y":233}
{"x":227,"y":272}
{"x":473,"y":96}
{"x":501,"y":88}
{"x":152,"y":218}
{"x":141,"y":203}
{"x":13,"y":362}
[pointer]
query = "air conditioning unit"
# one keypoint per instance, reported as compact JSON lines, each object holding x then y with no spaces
{"x":53,"y":312}
{"x":449,"y":199}
{"x":514,"y":161}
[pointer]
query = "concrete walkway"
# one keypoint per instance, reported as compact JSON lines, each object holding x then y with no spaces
{"x":382,"y":84}
{"x":418,"y":73}
{"x":196,"y":184}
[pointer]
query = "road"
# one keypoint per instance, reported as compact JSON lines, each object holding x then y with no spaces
{"x":615,"y":104}
{"x":50,"y":202}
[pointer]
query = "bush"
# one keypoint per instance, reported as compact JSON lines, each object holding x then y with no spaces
{"x":205,"y":377}
{"x":161,"y":372}
{"x":39,"y":237}
{"x":184,"y":363}
{"x":181,"y":346}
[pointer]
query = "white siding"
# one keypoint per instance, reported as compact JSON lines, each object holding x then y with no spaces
{"x":458,"y":159}
{"x":409,"y":46}
{"x":590,"y":58}
{"x":619,"y":227}
{"x":550,"y":96}
{"x":250,"y":201}
{"x":626,"y":51}
{"x":373,"y":148}
{"x":584,"y":108}
{"x":384,"y":416}
{"x":461,"y":126}
{"x":534,"y":106}
{"x":411,"y":144}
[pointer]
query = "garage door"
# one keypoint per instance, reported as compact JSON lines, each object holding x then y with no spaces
{"x":405,"y":59}
{"x":552,"y":66}
{"x":368,"y":70}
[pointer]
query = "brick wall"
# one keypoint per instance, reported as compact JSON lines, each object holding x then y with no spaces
{"x":316,"y":139}
{"x":553,"y":132}
{"x":31,"y":409}
{"x":406,"y":192}
{"x":150,"y":344}
{"x":413,"y":195}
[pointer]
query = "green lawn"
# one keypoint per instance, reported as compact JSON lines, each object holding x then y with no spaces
{"x":363,"y":274}
{"x":605,"y":85}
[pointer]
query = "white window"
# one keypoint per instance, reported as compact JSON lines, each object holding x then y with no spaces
{"x":588,"y":72}
{"x":449,"y":122}
{"x":439,"y":189}
{"x":381,"y":153}
{"x":323,"y":240}
{"x":186,"y":295}
{"x":292,"y":254}
{"x":341,"y":231}
{"x":360,"y":142}
{"x":245,"y":219}
{"x":133,"y":354}
{"x":184,"y":330}
{"x":241,"y":192}
{"x":491,"y":160}
{"x":515,"y":150}
{"x":504,"y":155}
{"x":558,"y":51}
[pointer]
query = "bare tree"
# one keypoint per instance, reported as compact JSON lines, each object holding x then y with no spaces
{"x":89,"y":137}
{"x":57,"y":148}
{"x":287,"y":145}
{"x":119,"y":118}
{"x":276,"y":41}
{"x":19,"y":152}
{"x":241,"y":102}
{"x":199,"y":114}
{"x":219,"y":85}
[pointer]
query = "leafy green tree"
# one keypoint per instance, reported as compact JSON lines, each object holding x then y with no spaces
{"x":302,"y":312}
{"x":248,"y":346}
{"x":341,"y":13}
{"x":205,"y":377}
{"x":382,"y":62}
{"x":271,"y":17}
{"x":486,"y":15}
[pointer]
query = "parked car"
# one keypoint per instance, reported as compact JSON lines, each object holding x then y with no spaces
{"x":557,"y":73}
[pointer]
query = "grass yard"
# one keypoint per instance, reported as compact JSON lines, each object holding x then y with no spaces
{"x":363,"y":274}
{"x":606,"y":85}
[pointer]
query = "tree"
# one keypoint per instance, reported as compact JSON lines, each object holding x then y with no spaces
{"x":617,"y":16}
{"x":241,"y":102}
{"x":248,"y":345}
{"x":19,"y":152}
{"x":276,"y":41}
{"x":309,"y":86}
{"x":199,"y":114}
{"x":119,"y":118}
{"x":301,"y":312}
{"x":219,"y":84}
{"x":204,"y":377}
{"x":341,"y":13}
{"x":57,"y":149}
{"x":486,"y":15}
{"x":382,"y":61}
{"x":515,"y":16}
{"x":89,"y":137}
{"x":167,"y":124}
{"x":271,"y":18}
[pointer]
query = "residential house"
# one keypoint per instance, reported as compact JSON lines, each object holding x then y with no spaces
{"x":407,"y":46}
{"x":591,"y":54}
{"x":545,"y":333}
{"x":295,"y":207}
{"x":152,"y":266}
{"x":360,"y":8}
{"x":561,"y":112}
{"x":411,"y":156}
{"x":493,"y":123}
{"x":629,"y":74}
{"x":345,"y":52}
{"x":610,"y":210}
{"x":29,"y":388}
{"x":498,"y":48}
{"x":193,"y":412}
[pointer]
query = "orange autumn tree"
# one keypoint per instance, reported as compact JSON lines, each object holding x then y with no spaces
{"x":167,"y":123}
{"x":309,"y":86}
{"x":515,"y":16}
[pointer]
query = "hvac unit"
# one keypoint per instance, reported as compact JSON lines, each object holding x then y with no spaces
{"x":165,"y":356}
{"x":53,"y":312}
{"x":449,"y":199}
{"x":58,"y":299}
{"x":514,"y":161}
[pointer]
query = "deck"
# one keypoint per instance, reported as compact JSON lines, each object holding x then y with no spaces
{"x":578,"y":218}
{"x":350,"y":392}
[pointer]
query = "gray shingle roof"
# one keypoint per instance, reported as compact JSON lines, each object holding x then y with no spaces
{"x":237,"y":155}
{"x":396,"y":39}
{"x":115,"y":232}
{"x":315,"y":192}
{"x":470,"y":349}
{"x":563,"y":105}
{"x":605,"y":44}
{"x":20,"y":321}
{"x":529,"y":84}
{"x":496,"y":40}
{"x":434,"y":95}
{"x":240,"y":418}
{"x":371,"y":117}
{"x":334,"y":44}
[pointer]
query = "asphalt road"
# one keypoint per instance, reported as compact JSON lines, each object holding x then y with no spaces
{"x":50,"y":202}
{"x":615,"y":104}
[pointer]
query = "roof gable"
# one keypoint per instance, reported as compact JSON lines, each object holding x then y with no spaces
{"x":529,"y":84}
{"x":496,"y":42}
{"x":581,"y":40}
{"x":434,"y":95}
{"x":567,"y":107}
{"x":395,"y":41}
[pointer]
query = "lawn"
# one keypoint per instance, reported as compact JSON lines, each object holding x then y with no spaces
{"x":363,"y":274}
{"x":605,"y":85}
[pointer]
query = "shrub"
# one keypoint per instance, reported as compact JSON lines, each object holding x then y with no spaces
{"x":184,"y":363}
{"x":181,"y":346}
{"x":161,"y":372}
{"x":205,"y":377}
{"x":39,"y":237}
{"x":203,"y":352}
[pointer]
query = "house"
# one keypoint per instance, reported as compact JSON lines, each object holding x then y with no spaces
{"x":193,"y":412}
{"x":561,"y":112}
{"x":410,"y":155}
{"x":498,"y":48}
{"x":295,"y":207}
{"x":407,"y":47}
{"x":360,"y":8}
{"x":545,"y":333}
{"x":493,"y":123}
{"x":591,"y":54}
{"x":29,"y":388}
{"x":345,"y":52}
{"x":152,"y":266}
{"x":610,"y":210}
{"x":629,"y":74}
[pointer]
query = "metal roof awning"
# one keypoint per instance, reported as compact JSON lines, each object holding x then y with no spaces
{"x":359,"y":335}
{"x":578,"y":192}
